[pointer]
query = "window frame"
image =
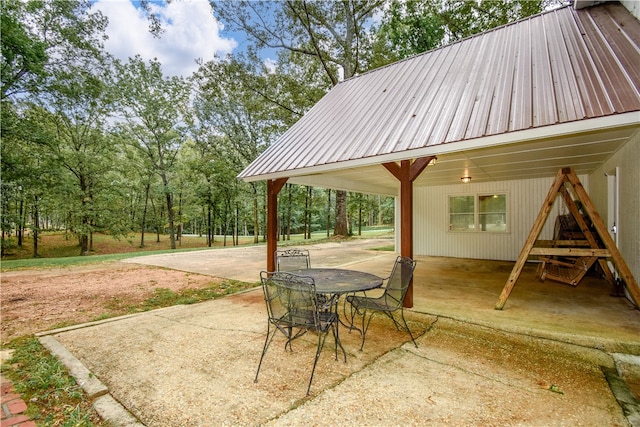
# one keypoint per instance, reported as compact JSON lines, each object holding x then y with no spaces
{"x":476,"y":212}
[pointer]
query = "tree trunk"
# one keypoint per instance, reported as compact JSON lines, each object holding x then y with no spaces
{"x":84,"y":242}
{"x":308,"y":212}
{"x":256,"y":222}
{"x":236,"y":225}
{"x":20,"y":223}
{"x":144,"y":214}
{"x":281,"y":225}
{"x":328,"y":211}
{"x":341,"y":228}
{"x":225,"y":222}
{"x":84,"y":230}
{"x":289,"y":209}
{"x":179,"y":232}
{"x":359,"y":214}
{"x":170,"y":213}
{"x":264,"y":222}
{"x":209,"y":227}
{"x":36,"y":224}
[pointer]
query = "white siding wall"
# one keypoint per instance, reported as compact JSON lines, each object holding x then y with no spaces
{"x":524,"y":200}
{"x":627,"y":159}
{"x":632,"y":6}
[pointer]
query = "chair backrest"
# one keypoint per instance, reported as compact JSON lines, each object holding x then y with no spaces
{"x":292,"y":259}
{"x":291,"y":299}
{"x":399,"y":280}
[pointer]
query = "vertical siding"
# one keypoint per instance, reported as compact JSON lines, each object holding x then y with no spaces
{"x":626,"y":159}
{"x":524,"y":200}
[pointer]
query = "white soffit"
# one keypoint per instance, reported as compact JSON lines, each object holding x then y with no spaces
{"x":532,"y":153}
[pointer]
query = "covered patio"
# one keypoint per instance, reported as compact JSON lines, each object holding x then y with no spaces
{"x":505,"y":110}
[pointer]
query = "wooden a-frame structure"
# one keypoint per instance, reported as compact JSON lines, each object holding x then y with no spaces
{"x":587,"y":252}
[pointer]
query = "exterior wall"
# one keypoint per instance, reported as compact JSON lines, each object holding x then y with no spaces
{"x":524,"y":201}
{"x":632,"y":6}
{"x":627,"y":159}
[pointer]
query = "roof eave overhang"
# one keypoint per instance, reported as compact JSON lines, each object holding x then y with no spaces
{"x":554,"y":131}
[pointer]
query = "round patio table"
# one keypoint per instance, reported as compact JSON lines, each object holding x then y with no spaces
{"x":337,"y":281}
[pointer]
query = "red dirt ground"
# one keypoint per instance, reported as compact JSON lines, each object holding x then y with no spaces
{"x":36,"y":300}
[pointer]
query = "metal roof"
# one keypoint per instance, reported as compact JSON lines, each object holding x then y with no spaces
{"x":559,"y":73}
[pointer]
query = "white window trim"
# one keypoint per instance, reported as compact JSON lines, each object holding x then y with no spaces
{"x":476,"y":213}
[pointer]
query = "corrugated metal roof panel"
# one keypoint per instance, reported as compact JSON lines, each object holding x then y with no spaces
{"x":553,"y":68}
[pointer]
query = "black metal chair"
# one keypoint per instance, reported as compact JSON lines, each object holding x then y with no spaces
{"x":389,"y":302}
{"x":292,"y":259}
{"x":293,"y":309}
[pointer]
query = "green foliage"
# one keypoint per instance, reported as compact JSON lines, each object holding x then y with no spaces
{"x":465,"y":18}
{"x":22,"y":53}
{"x":39,"y":37}
{"x":411,"y":27}
{"x":156,"y":111}
{"x":53,"y":396}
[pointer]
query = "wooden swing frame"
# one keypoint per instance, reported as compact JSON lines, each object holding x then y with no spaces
{"x":547,"y":249}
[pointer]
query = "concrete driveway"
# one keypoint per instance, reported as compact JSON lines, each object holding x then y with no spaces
{"x":554,"y":356}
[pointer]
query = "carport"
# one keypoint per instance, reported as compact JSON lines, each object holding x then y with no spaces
{"x":517,"y":103}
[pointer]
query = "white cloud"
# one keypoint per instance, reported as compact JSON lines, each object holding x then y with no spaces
{"x":271,"y":65}
{"x":190,"y":33}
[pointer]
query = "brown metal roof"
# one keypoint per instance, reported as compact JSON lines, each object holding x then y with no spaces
{"x":559,"y":67}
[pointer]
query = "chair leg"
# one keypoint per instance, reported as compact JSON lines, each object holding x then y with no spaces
{"x":351,"y":315}
{"x":321,"y":339}
{"x":393,"y":319}
{"x":408,"y":330}
{"x":267,"y":342}
{"x":399,"y":326}
{"x":365,"y":326}
{"x":336,"y":337}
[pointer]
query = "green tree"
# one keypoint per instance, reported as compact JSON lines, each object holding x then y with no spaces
{"x":413,"y":27}
{"x":23,"y":55}
{"x":465,"y":18}
{"x":332,"y":35}
{"x":407,"y":28}
{"x":39,"y":37}
{"x":71,"y":117}
{"x":40,"y":40}
{"x":243,"y":114}
{"x":155,"y":114}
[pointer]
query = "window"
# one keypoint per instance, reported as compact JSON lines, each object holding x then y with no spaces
{"x":479,"y":212}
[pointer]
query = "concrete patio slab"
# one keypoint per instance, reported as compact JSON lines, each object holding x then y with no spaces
{"x":543,"y":360}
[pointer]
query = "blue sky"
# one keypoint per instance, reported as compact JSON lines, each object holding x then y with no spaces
{"x":190,"y":32}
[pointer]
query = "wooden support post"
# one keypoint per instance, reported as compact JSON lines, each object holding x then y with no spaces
{"x":531,"y":240}
{"x":273,"y":188}
{"x":407,"y":172}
